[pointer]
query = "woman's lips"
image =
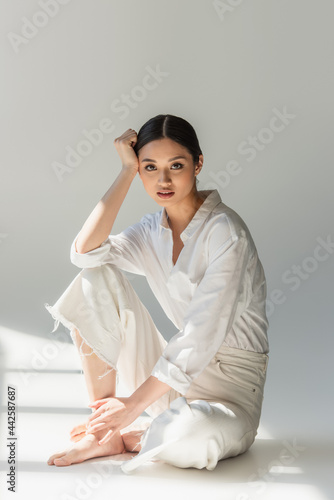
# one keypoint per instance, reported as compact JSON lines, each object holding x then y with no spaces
{"x":165,"y":194}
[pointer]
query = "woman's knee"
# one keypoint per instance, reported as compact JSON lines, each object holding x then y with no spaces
{"x":107,"y":272}
{"x":198,"y":434}
{"x":186,"y":434}
{"x":80,"y":343}
{"x":200,"y":439}
{"x":105,"y":284}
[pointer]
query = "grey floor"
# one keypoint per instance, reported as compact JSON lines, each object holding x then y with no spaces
{"x":51,"y":398}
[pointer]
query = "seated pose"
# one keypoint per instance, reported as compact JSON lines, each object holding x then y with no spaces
{"x":202,"y":390}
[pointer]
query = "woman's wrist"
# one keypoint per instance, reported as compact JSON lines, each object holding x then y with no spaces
{"x":151,"y":390}
{"x":129,"y":170}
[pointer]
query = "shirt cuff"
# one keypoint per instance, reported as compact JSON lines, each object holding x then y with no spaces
{"x":93,"y":258}
{"x":170,"y":374}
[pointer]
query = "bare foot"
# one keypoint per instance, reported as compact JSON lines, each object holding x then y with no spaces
{"x":132,"y":440}
{"x":88,"y":447}
{"x":78,"y":432}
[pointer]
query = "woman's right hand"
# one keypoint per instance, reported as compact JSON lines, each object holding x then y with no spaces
{"x":124,"y":146}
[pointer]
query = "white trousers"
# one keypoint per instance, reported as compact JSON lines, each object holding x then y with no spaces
{"x":219,"y":415}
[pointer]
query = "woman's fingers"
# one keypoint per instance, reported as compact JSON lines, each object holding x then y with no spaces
{"x":110,"y":416}
{"x":104,"y":419}
{"x":108,"y":408}
{"x":106,"y":438}
{"x":97,"y":418}
{"x":124,"y":146}
{"x":97,"y":413}
{"x":100,"y":427}
{"x":98,"y":403}
{"x":97,"y":427}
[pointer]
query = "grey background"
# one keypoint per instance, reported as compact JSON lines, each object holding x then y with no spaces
{"x":227,"y":74}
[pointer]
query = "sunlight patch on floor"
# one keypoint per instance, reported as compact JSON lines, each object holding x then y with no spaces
{"x":52,"y":398}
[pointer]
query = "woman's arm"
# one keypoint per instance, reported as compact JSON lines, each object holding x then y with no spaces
{"x":151,"y":390}
{"x":100,"y":222}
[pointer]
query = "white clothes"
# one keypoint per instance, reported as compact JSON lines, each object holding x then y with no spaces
{"x":219,"y":414}
{"x":215,"y":293}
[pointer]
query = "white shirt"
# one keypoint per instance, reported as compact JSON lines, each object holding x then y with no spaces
{"x":215,"y":293}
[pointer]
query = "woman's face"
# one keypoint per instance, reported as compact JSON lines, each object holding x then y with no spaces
{"x":167,"y":171}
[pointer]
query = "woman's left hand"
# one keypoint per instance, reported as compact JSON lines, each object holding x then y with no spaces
{"x":112,"y":415}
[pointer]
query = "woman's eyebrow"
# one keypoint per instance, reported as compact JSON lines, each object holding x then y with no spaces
{"x":170,"y":159}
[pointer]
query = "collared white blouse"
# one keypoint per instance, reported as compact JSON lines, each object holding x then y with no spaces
{"x":215,"y":293}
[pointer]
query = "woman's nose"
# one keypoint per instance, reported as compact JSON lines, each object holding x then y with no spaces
{"x":164,"y":178}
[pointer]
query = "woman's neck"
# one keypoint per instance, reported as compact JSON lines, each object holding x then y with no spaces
{"x":181,"y":214}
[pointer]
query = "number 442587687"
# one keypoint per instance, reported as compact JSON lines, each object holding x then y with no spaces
{"x":11,"y":411}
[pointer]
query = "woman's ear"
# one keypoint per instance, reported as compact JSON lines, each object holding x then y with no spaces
{"x":199,"y":164}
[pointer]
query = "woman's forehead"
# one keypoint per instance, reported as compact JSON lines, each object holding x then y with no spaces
{"x":162,"y":148}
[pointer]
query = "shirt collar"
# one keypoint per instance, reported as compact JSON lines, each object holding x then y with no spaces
{"x":211,"y":201}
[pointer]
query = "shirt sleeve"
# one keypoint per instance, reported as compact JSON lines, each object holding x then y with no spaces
{"x":219,"y":299}
{"x":126,"y":250}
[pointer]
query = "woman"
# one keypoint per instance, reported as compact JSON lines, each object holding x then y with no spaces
{"x":204,"y":388}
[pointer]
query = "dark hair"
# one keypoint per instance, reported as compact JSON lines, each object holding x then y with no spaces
{"x":173,"y":127}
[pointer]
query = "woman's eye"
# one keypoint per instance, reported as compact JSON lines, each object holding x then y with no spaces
{"x":175,"y":166}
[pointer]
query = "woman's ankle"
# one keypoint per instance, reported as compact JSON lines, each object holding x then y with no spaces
{"x":132,"y":440}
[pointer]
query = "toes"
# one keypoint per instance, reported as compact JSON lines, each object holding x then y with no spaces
{"x":62,"y":461}
{"x":54,"y":457}
{"x":71,"y":457}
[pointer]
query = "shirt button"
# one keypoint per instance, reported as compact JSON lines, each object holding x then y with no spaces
{"x":213,"y":361}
